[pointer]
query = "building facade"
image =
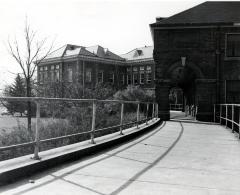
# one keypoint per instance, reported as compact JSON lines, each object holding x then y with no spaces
{"x":89,"y":66}
{"x":198,"y":50}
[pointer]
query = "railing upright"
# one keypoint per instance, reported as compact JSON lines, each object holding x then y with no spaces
{"x":37,"y":139}
{"x":147,"y":113}
{"x":239,"y":123}
{"x":214,"y":113}
{"x":93,"y":121}
{"x":138,"y":108}
{"x":220,"y":114}
{"x":157,"y":110}
{"x":121,"y":120}
{"x":153,"y":110}
{"x":226,"y":116}
{"x":91,"y":132}
{"x":232,"y":118}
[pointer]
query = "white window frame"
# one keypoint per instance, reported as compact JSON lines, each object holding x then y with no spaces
{"x":70,"y":74}
{"x":88,"y":75}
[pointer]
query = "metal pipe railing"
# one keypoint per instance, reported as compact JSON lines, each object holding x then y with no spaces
{"x":39,"y":101}
{"x":177,"y":107}
{"x":221,"y":116}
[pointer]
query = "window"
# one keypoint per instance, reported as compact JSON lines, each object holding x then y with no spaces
{"x":45,"y":76}
{"x":69,"y":74}
{"x":100,"y":77}
{"x":129,"y":82}
{"x":52,"y":76}
{"x":142,"y":75}
{"x":135,"y":78}
{"x":122,"y":79}
{"x":135,"y":75}
{"x":149,"y":74}
{"x":111,"y":78}
{"x":41,"y":80}
{"x":89,"y":75}
{"x":56,"y":75}
{"x":149,"y":68}
{"x":233,"y":45}
{"x":129,"y":75}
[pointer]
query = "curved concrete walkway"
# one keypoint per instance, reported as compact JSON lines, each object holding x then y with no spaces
{"x":175,"y":158}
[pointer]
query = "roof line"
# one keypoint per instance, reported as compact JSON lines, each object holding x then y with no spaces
{"x":182,"y":12}
{"x":136,"y":49}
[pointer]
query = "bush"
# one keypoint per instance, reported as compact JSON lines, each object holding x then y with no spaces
{"x":64,"y":118}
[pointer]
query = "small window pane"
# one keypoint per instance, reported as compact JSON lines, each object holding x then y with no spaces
{"x":135,"y":69}
{"x":233,"y":45}
{"x":149,"y":68}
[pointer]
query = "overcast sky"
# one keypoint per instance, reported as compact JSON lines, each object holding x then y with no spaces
{"x":119,"y":25}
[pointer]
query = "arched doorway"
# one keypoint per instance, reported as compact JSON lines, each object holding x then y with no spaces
{"x":183,"y":78}
{"x":179,"y":79}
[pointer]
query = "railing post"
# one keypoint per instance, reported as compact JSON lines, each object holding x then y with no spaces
{"x":138,"y":107}
{"x":214,"y":113}
{"x":93,"y":121}
{"x":147,"y":113}
{"x":37,"y":139}
{"x":157,"y":110}
{"x":239,"y":123}
{"x":121,"y":120}
{"x":220,"y":114}
{"x":232,"y":118}
{"x":153,"y":110}
{"x":226,"y":117}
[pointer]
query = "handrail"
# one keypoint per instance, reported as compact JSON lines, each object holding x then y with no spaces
{"x":34,"y":99}
{"x":225,"y":117}
{"x":40,"y":100}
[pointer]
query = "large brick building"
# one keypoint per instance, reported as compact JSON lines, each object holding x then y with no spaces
{"x":88,"y":66}
{"x":198,"y":50}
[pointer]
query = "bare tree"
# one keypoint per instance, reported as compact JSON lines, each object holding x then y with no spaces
{"x":29,"y":55}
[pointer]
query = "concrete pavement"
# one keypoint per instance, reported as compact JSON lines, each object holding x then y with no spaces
{"x":175,"y":158}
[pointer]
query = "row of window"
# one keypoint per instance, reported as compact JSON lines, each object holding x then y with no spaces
{"x":134,"y":77}
{"x":53,"y":76}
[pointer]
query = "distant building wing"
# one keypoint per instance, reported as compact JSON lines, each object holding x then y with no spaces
{"x":139,"y":53}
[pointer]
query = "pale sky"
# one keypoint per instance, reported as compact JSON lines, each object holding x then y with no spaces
{"x":119,"y":25}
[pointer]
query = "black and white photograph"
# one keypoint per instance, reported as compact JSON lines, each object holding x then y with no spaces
{"x":119,"y":97}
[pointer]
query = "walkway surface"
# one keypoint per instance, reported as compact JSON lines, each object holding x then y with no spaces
{"x":179,"y":115}
{"x":174,"y":158}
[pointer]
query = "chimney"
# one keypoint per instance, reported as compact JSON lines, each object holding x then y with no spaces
{"x":158,"y":19}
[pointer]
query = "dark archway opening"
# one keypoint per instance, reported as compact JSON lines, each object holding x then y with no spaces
{"x":182,"y":94}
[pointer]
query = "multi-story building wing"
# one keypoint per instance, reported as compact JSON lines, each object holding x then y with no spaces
{"x":140,"y":67}
{"x":88,"y":66}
